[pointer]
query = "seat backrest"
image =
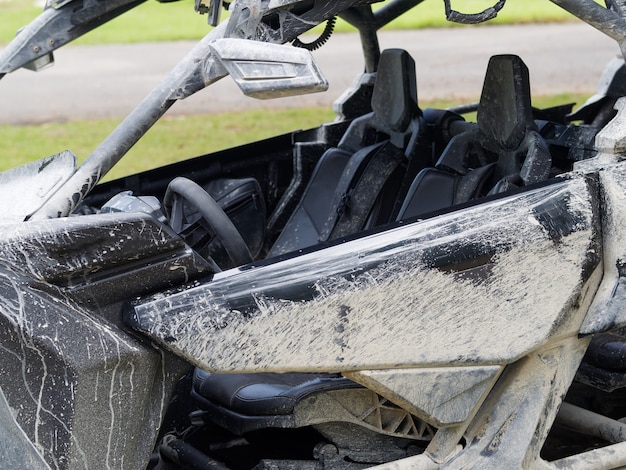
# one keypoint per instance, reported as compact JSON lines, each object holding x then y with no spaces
{"x":504,"y":110}
{"x":373,"y":144}
{"x":503,"y":151}
{"x":394,"y":104}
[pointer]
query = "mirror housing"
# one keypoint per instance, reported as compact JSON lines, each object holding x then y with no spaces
{"x":266,"y":71}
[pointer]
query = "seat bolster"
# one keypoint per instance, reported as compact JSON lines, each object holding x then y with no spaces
{"x":474,"y":184}
{"x":431,"y":190}
{"x":454,"y":156}
{"x":305,"y":225}
{"x":263,"y":394}
{"x":538,"y":161}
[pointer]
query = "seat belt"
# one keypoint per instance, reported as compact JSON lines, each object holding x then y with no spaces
{"x":353,"y":202}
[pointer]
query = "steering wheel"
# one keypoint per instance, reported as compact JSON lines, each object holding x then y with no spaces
{"x":183,"y":189}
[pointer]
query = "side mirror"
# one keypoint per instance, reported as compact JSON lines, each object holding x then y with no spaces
{"x":263,"y":70}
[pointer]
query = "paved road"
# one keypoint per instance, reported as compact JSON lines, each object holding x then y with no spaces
{"x":108,"y":81}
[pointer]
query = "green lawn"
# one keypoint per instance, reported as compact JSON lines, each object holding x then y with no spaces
{"x":170,"y":140}
{"x":153,"y":21}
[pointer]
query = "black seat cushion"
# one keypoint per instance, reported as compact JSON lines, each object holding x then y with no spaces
{"x":434,"y":189}
{"x":431,"y":190}
{"x":307,"y":225}
{"x":263,"y":394}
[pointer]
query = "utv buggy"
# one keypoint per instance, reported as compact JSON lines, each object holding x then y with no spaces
{"x":400,"y":288}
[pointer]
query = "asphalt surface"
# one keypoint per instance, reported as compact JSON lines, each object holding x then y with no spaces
{"x":108,"y":81}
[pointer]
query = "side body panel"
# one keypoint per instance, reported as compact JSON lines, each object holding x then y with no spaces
{"x":75,"y":383}
{"x":484,"y":285}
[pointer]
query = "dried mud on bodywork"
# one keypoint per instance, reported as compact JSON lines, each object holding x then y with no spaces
{"x":398,"y":288}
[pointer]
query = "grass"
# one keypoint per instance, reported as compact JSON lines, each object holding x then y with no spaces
{"x":170,"y":140}
{"x":153,"y":21}
{"x":431,"y":14}
{"x":174,"y":139}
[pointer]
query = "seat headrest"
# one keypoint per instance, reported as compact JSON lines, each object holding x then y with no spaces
{"x":504,"y":110}
{"x":394,"y":99}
